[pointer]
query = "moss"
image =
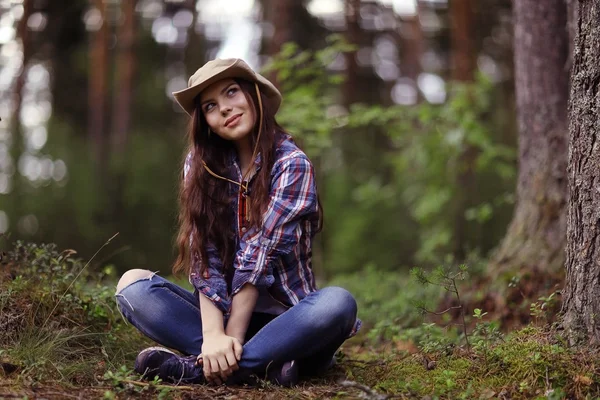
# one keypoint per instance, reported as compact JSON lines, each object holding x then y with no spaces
{"x":528,"y":364}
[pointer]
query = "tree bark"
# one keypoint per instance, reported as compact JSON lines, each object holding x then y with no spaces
{"x":535,"y":238}
{"x":98,"y":87}
{"x":581,"y":301}
{"x":126,"y":63}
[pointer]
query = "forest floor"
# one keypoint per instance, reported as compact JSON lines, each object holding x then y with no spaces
{"x":61,"y":337}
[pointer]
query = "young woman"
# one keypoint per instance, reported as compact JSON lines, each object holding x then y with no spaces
{"x":248,"y":213}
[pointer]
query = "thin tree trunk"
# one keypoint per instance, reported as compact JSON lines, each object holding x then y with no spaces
{"x":464,"y":65}
{"x":15,"y":121}
{"x":126,"y":64}
{"x":536,"y":236}
{"x":98,"y":87}
{"x":352,"y":15}
{"x":281,"y":18}
{"x":411,"y":38}
{"x":464,"y":53}
{"x":581,"y":301}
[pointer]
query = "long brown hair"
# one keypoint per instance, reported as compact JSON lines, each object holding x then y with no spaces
{"x":204,"y":200}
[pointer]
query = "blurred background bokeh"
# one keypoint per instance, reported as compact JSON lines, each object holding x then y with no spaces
{"x":406,"y":108}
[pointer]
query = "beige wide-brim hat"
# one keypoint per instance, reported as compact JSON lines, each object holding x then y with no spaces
{"x":218,"y":69}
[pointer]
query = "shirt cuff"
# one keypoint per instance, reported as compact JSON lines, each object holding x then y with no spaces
{"x":214,"y":290}
{"x":256,"y":271}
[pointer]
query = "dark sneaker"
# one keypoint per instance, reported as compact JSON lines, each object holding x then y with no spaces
{"x":286,"y":376}
{"x":168,"y":366}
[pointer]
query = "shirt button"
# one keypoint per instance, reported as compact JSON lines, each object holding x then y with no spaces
{"x":244,"y":229}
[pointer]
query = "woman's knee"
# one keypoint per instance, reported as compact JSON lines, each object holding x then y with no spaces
{"x":131,"y":276}
{"x":336,"y":306}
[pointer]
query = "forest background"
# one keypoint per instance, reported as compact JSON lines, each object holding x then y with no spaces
{"x":407,"y":108}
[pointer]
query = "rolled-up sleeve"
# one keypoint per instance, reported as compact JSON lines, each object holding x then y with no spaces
{"x":212,"y":283}
{"x":293,"y":197}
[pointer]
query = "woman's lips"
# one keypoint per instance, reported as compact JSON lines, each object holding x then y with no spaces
{"x":233,"y":120}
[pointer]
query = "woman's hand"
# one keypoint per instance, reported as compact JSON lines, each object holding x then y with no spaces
{"x":219,"y":357}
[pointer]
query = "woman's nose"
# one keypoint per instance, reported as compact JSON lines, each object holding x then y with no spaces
{"x":225,"y":109}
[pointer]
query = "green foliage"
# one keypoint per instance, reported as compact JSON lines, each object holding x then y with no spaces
{"x":60,"y":321}
{"x":390,"y":172}
{"x":443,"y":156}
{"x":309,"y":92}
{"x":386,"y":300}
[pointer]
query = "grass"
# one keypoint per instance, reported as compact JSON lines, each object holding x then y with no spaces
{"x":62,"y":337}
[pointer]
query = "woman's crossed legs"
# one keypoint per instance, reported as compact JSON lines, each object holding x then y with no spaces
{"x":310,"y":332}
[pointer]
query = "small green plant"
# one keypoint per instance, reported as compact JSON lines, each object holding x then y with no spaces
{"x":447,"y":279}
{"x":539,"y":310}
{"x":485,"y":334}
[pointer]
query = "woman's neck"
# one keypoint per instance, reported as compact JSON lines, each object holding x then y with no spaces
{"x":244,"y":152}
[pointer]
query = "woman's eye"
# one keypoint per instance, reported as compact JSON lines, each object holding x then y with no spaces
{"x":209,"y":107}
{"x":232,"y":91}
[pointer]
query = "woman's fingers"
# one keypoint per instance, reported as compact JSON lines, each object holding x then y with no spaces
{"x":224,"y":367}
{"x":237,"y":349}
{"x":232,"y":361}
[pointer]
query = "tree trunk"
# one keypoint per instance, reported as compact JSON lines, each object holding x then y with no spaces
{"x":462,"y":36}
{"x":536,"y":235}
{"x":464,"y":65}
{"x":15,"y":121}
{"x":126,"y":63}
{"x":98,"y":87}
{"x":281,"y":18}
{"x":352,"y":15}
{"x":581,"y":301}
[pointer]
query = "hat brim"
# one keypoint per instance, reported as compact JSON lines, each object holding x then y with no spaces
{"x":185,"y":98}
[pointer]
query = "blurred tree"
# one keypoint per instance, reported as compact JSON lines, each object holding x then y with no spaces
{"x":464,"y":65}
{"x":98,"y":84}
{"x":462,"y":38}
{"x":536,"y":236}
{"x":353,"y":34}
{"x":412,"y":45}
{"x":65,"y":38}
{"x":124,"y":77}
{"x":17,"y":132}
{"x":581,"y":305}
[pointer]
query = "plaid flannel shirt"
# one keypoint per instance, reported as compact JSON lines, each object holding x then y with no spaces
{"x":275,"y":258}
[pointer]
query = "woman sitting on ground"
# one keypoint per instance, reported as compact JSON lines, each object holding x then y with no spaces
{"x":248,"y":212}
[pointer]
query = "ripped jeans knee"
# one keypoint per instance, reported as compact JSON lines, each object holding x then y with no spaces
{"x":127,"y":279}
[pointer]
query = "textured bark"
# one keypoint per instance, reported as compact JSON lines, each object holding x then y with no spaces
{"x":581,"y":304}
{"x":126,"y":63}
{"x":536,"y":235}
{"x":98,"y":87}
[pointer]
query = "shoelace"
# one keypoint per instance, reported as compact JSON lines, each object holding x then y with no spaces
{"x":183,"y":364}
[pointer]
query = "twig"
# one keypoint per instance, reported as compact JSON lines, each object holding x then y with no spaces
{"x":62,"y":394}
{"x":440,"y":312}
{"x":74,"y":279}
{"x":370,"y":393}
{"x":156,"y":385}
{"x":462,"y":313}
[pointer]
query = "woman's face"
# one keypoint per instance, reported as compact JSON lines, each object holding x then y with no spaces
{"x":227,"y":110}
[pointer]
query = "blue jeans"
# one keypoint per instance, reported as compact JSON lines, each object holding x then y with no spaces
{"x":310,"y":332}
